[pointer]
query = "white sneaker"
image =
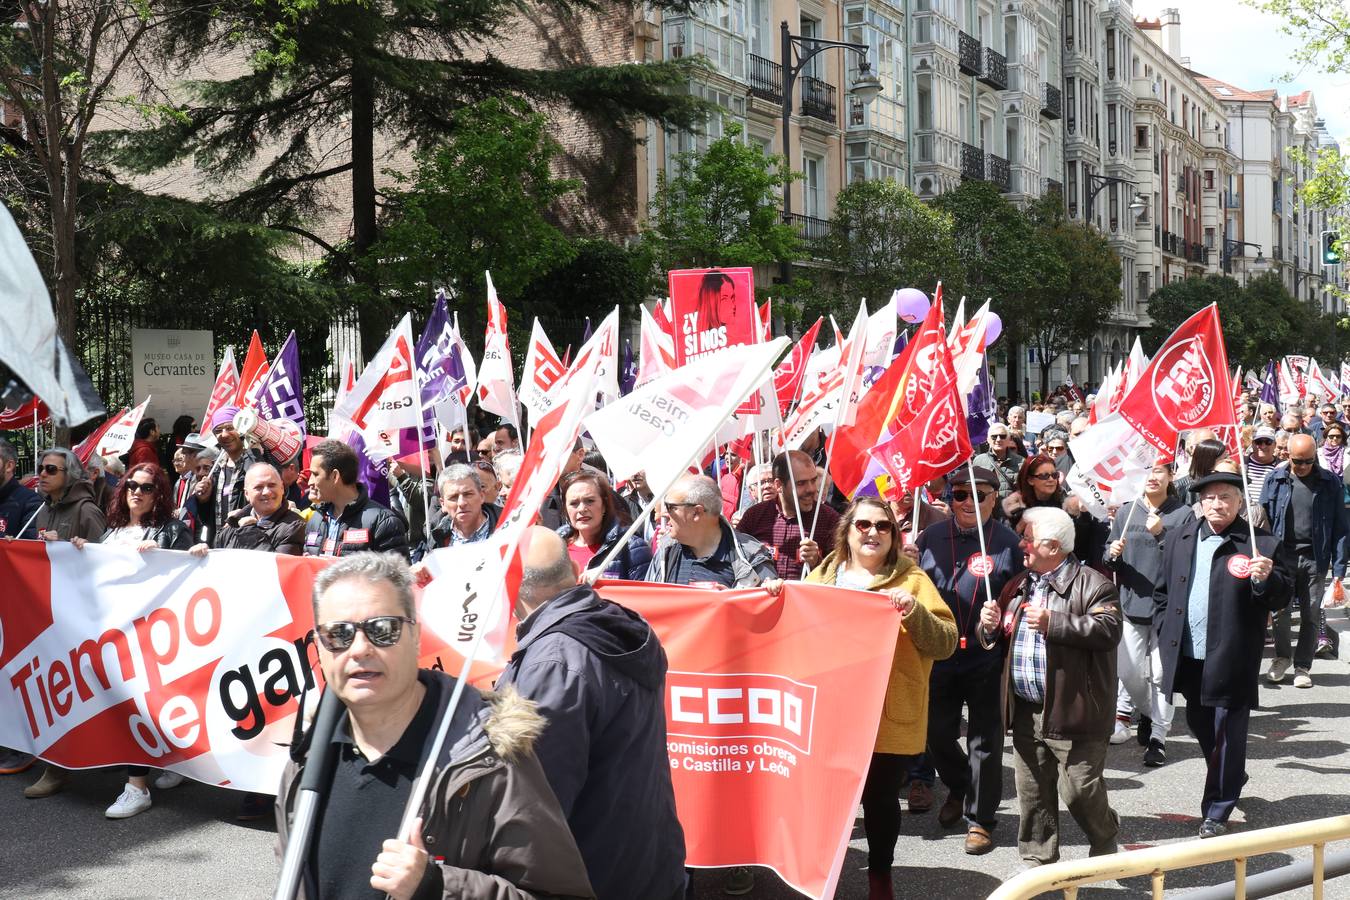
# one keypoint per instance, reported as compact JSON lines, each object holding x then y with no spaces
{"x":168,"y":781}
{"x":133,"y":800}
{"x":1122,"y":732}
{"x":1302,"y":679}
{"x":1279,"y":667}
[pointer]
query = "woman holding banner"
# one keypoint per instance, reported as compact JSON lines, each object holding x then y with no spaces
{"x":867,"y":557}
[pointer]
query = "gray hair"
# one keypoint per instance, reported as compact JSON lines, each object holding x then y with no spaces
{"x":507,"y":461}
{"x":372,"y":568}
{"x":207,"y":454}
{"x":1049,"y":523}
{"x":114,"y":465}
{"x":1261,"y":408}
{"x":74,"y":468}
{"x":704,"y":491}
{"x":1016,"y":409}
{"x":1065,"y":417}
{"x":458,"y":472}
{"x":547,"y":581}
{"x":761,"y":469}
{"x":7,"y":453}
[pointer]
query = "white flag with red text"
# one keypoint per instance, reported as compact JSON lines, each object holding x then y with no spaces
{"x":385,"y":397}
{"x":117,"y":439}
{"x":543,"y":370}
{"x":223,"y":393}
{"x":496,"y":380}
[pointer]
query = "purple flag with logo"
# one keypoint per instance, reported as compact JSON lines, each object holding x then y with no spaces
{"x":628,"y":372}
{"x":374,"y":474}
{"x":1270,"y":390}
{"x":433,"y":355}
{"x":980,"y":406}
{"x":279,"y":397}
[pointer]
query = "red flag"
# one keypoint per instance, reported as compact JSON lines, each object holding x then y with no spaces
{"x":894,"y":399}
{"x":23,"y":417}
{"x":932,"y":443}
{"x":788,"y":377}
{"x":255,"y":365}
{"x":85,"y":448}
{"x":1185,"y":385}
{"x":765,"y":321}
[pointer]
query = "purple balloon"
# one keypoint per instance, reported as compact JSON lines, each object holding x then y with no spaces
{"x":992,"y":329}
{"x":912,"y":305}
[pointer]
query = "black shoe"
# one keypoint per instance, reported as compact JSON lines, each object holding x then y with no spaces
{"x":1212,"y":828}
{"x":1145,"y":731}
{"x":1156,"y":754}
{"x":255,"y":807}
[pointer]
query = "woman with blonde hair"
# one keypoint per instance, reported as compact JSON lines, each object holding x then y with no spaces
{"x":867,"y":557}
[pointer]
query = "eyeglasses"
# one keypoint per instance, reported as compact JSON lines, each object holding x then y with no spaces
{"x":1264,"y":441}
{"x":963,"y":496}
{"x":674,"y":503}
{"x":49,"y":469}
{"x":140,"y":487}
{"x":382,"y":631}
{"x":1046,"y":476}
{"x":1335,"y":434}
{"x":1056,"y":448}
{"x":881,"y":527}
{"x":1031,"y":541}
{"x":1297,"y":461}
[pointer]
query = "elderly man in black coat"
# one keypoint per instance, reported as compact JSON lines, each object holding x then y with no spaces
{"x":1211,"y":604}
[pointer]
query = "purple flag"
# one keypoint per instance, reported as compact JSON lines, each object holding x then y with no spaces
{"x":433,"y":355}
{"x":374,"y":474}
{"x":980,"y":406}
{"x":901,"y":341}
{"x":279,"y":397}
{"x":1270,"y":390}
{"x":586,"y":336}
{"x":628,"y":372}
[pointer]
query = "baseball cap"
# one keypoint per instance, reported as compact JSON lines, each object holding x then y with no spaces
{"x":1263,"y":433}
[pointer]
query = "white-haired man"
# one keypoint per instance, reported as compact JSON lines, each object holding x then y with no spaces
{"x":1063,"y":622}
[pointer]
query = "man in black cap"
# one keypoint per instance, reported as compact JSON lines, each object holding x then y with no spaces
{"x":1211,"y":603}
{"x":950,"y":552}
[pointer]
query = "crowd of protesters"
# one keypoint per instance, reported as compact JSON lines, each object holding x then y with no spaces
{"x":1021,"y":613}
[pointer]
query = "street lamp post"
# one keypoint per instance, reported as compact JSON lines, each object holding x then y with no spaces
{"x":1231,"y":246}
{"x":1097,"y":183}
{"x":797,"y":52}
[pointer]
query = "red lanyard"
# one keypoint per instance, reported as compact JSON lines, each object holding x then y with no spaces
{"x":963,"y":616}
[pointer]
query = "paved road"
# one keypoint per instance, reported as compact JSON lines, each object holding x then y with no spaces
{"x":189,"y":847}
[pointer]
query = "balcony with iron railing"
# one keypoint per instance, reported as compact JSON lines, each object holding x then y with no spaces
{"x":995,"y":72}
{"x":811,"y":229}
{"x":997,"y":171}
{"x":972,"y":163}
{"x":1232,"y":200}
{"x":1050,"y":101}
{"x":766,"y":79}
{"x":968,"y":54}
{"x":818,"y":99}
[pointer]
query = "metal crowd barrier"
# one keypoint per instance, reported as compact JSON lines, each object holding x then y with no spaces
{"x":1068,"y":876}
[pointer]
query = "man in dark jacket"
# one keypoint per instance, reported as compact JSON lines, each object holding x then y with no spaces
{"x":17,"y":503}
{"x":1062,"y":622}
{"x":1213,"y":596}
{"x":346,"y":520}
{"x":267,"y":523}
{"x":597,"y":672}
{"x":1306,"y":507}
{"x":702,"y":549}
{"x":224,"y":492}
{"x":489,"y":820}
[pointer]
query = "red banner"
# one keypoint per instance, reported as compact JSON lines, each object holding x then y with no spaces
{"x":713,"y":309}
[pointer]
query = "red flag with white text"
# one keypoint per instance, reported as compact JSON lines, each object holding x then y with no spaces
{"x":791,"y":372}
{"x":931,"y":444}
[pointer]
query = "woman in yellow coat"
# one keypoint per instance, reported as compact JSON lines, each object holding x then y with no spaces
{"x":867,"y":557}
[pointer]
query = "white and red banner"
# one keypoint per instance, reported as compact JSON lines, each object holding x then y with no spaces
{"x":931,"y":444}
{"x":222,"y":394}
{"x":604,"y":343}
{"x":543,"y":370}
{"x":120,"y":433}
{"x":496,"y":388}
{"x":791,"y":372}
{"x":34,"y":412}
{"x":385,"y":397}
{"x":656,"y":352}
{"x":1111,"y":462}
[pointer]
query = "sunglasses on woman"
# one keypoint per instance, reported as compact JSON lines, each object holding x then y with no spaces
{"x":140,"y":487}
{"x":381,"y":631}
{"x":882,"y":526}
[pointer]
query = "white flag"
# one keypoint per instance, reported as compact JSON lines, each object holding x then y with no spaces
{"x":496,"y":380}
{"x":662,"y":426}
{"x":385,"y":398}
{"x":543,"y":370}
{"x":656,"y":354}
{"x":1111,"y":462}
{"x":604,"y":342}
{"x":117,"y":439}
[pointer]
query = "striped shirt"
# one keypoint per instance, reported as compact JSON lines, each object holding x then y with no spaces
{"x":1256,"y":479}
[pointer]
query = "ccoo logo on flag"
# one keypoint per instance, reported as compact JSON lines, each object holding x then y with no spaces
{"x":1183,"y":384}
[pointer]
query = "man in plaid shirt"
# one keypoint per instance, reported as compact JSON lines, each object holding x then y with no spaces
{"x":1063,"y":622}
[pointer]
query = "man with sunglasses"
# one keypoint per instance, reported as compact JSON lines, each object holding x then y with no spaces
{"x":1306,"y":507}
{"x":1213,"y":594}
{"x":489,"y":825}
{"x":700,"y":547}
{"x":969,"y":679}
{"x":1325,"y":417}
{"x":1002,"y":459}
{"x":1260,"y":462}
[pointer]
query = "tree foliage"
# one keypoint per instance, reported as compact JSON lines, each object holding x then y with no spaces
{"x":721,"y":208}
{"x":883,"y":237}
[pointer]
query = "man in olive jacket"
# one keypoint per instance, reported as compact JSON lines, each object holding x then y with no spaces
{"x":1062,"y":620}
{"x":1210,"y":608}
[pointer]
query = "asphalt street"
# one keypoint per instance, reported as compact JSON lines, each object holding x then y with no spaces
{"x":189,"y":846}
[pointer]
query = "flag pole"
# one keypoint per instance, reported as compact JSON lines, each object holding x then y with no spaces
{"x":979,"y":529}
{"x":918,"y":508}
{"x":1246,"y":494}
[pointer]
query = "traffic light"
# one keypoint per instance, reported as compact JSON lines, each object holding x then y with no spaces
{"x":1331,"y":256}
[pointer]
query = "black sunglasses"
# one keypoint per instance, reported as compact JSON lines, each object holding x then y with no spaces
{"x":49,"y":469}
{"x":137,"y":487}
{"x":1294,"y":460}
{"x":382,"y":631}
{"x":963,"y":496}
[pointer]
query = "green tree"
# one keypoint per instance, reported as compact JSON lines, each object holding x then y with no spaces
{"x":324,"y":80}
{"x":1004,"y":259}
{"x":883,"y":237}
{"x":720,"y":208}
{"x":1078,"y":293}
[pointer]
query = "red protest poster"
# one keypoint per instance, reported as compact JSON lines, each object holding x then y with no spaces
{"x":713,"y":309}
{"x":772,"y":707}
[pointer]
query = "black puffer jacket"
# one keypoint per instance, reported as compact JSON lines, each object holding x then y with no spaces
{"x":362,"y":525}
{"x":172,"y":535}
{"x":281,"y":533}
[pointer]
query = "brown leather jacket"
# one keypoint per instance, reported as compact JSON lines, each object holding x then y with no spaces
{"x":1080,"y":652}
{"x":489,"y":811}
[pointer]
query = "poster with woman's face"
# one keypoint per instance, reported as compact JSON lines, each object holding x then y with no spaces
{"x":713,"y":309}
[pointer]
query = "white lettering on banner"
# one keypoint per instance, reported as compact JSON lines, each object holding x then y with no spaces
{"x":742,"y":705}
{"x":181,"y":617}
{"x":1185,"y":391}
